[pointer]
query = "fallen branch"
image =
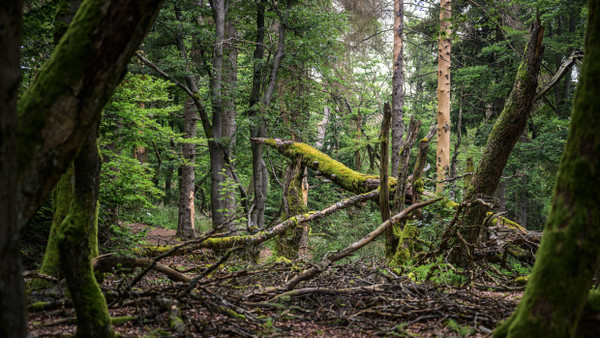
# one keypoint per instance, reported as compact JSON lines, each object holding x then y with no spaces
{"x":106,"y":263}
{"x":328,"y":260}
{"x":220,"y":243}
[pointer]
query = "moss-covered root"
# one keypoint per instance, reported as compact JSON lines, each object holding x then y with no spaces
{"x":568,"y":255}
{"x":93,"y":319}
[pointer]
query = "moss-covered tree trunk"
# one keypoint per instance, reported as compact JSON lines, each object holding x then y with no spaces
{"x":61,"y":200}
{"x":288,"y":243}
{"x":505,"y":134}
{"x":74,"y":242}
{"x":55,"y":115}
{"x":568,"y":255}
{"x":337,"y":172}
{"x":12,"y":307}
{"x":63,"y":193}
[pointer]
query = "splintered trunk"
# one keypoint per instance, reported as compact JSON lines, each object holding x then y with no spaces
{"x":74,"y":245}
{"x":12,"y":307}
{"x":568,"y":255}
{"x":397,"y":86}
{"x":288,"y":244}
{"x":443,"y":94}
{"x":505,"y":134}
{"x":187,"y":210}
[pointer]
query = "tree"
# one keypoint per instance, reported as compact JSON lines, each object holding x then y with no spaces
{"x":506,"y":132}
{"x":55,"y":116}
{"x":443,"y":94}
{"x":569,"y":253}
{"x":12,"y":307}
{"x":397,"y":86}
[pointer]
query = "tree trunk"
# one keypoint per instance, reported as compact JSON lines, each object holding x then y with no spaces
{"x":187,"y":211}
{"x":568,"y":255}
{"x":12,"y":306}
{"x":61,"y":200}
{"x":230,"y":69}
{"x":506,"y":132}
{"x":74,"y":245}
{"x":63,"y":192}
{"x":288,"y":243}
{"x":384,"y":197}
{"x":72,"y":89}
{"x":55,"y":116}
{"x":397,"y":86}
{"x":443,"y":94}
{"x":218,"y":171}
{"x":259,"y":168}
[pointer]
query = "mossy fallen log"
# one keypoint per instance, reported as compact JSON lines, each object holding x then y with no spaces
{"x":352,"y":180}
{"x":335,"y":171}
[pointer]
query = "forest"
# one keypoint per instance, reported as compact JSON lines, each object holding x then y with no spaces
{"x":326,"y":168}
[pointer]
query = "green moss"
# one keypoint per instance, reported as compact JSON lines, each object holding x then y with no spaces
{"x":121,"y":320}
{"x":37,"y":306}
{"x":234,"y":314}
{"x":345,"y":177}
{"x":593,"y":300}
{"x":406,"y":244}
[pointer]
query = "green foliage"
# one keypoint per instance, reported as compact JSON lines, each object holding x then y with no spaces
{"x":127,"y":184}
{"x":462,"y":331}
{"x":437,"y":271}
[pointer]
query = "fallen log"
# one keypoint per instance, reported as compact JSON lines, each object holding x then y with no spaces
{"x":333,"y":170}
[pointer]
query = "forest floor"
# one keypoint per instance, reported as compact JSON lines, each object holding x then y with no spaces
{"x":358,"y":299}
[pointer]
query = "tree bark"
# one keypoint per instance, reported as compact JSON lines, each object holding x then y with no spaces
{"x":288,"y":243}
{"x":187,"y":210}
{"x":397,"y":86}
{"x":569,"y":253}
{"x":443,"y":94}
{"x":12,"y":307}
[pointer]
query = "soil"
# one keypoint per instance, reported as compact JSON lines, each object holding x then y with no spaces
{"x":361,"y":298}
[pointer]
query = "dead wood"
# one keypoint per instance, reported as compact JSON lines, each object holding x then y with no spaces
{"x":108,"y":262}
{"x":328,"y":260}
